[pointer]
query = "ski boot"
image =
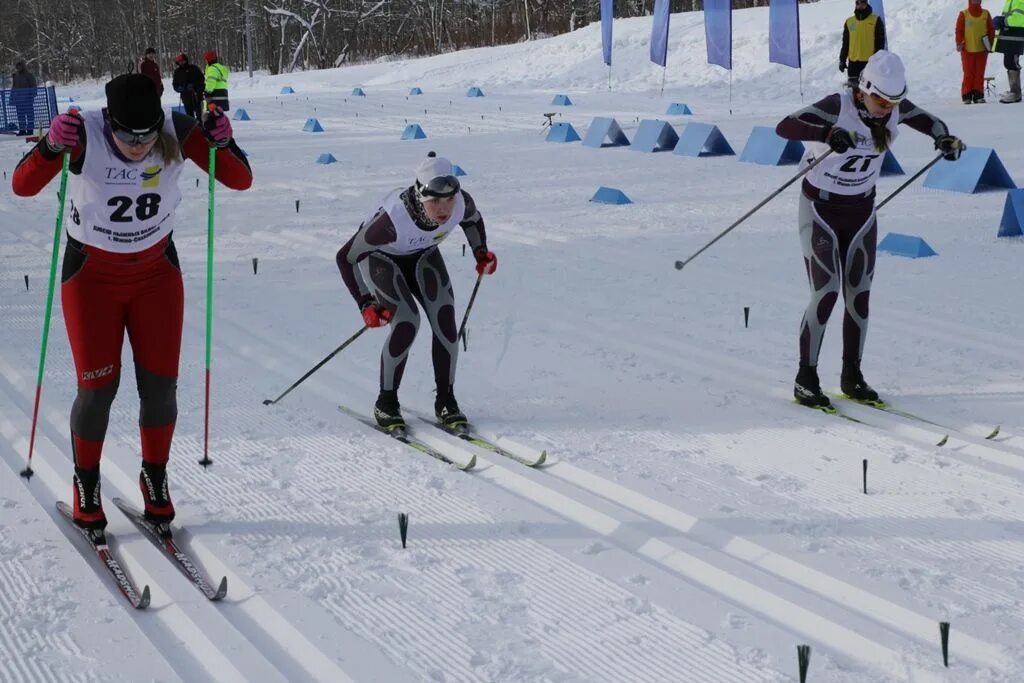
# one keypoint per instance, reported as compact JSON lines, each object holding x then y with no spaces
{"x":807,"y":388}
{"x":87,"y":507}
{"x":158,"y":508}
{"x":853,"y":385}
{"x":446,"y":408}
{"x":387,"y":412}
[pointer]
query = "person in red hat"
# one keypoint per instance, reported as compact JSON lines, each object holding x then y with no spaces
{"x":121,"y":269}
{"x":188,"y":81}
{"x":975,"y":34}
{"x":216,"y":81}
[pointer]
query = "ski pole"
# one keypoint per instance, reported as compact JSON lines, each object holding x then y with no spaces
{"x":907,"y":184}
{"x":472,"y":298}
{"x":27,"y":472}
{"x":212,"y":171}
{"x":748,"y":214}
{"x":332,"y":354}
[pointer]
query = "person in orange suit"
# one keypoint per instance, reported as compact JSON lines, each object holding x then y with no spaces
{"x":974,"y":35}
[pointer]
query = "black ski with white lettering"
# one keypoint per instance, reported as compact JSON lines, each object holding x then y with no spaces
{"x":160,"y":535}
{"x":403,"y":435}
{"x":97,"y":540}
{"x":465,"y":432}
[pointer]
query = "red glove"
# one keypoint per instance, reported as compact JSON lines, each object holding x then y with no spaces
{"x":375,"y":315}
{"x":486,"y":262}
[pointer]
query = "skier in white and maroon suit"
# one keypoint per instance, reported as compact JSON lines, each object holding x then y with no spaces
{"x":838,"y":229}
{"x":397,"y":247}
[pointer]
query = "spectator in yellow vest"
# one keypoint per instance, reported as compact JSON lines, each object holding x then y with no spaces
{"x":974,"y":35}
{"x":863,"y":36}
{"x":216,"y":81}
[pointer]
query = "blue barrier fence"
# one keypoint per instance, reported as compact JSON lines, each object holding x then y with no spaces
{"x":27,"y":109}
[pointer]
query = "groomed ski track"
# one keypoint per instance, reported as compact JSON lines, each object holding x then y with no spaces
{"x":692,"y":523}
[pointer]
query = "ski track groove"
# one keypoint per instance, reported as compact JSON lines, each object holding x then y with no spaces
{"x":682,"y":564}
{"x":221,"y":669}
{"x":697,"y":361}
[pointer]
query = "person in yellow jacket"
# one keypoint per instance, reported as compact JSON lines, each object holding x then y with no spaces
{"x":1011,"y":43}
{"x":863,"y":36}
{"x":216,"y":80}
{"x":974,"y":36}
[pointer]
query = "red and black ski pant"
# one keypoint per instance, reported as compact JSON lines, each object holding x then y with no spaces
{"x":105,"y":294}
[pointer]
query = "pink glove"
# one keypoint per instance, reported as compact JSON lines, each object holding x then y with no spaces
{"x":217,"y":125}
{"x":65,"y":131}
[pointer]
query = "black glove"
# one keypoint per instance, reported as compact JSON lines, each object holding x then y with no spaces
{"x":950,"y":146}
{"x":840,"y":140}
{"x":842,"y":65}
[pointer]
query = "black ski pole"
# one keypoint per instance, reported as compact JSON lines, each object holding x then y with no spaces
{"x":472,"y":298}
{"x":748,"y":214}
{"x":332,"y":354}
{"x":907,"y":184}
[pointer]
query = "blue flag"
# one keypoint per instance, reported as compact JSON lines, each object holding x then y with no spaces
{"x":784,"y":33}
{"x":878,"y":8}
{"x":606,"y":30}
{"x":659,"y":32}
{"x":718,"y":31}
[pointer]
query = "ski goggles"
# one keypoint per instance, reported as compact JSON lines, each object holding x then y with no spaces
{"x":440,"y":187}
{"x":135,"y":136}
{"x":883,"y":102}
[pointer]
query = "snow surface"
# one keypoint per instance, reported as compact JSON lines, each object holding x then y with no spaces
{"x":693,"y":526}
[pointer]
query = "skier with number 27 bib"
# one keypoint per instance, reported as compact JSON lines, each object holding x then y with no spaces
{"x":121,"y":269}
{"x":393,"y":261}
{"x":838,"y":228}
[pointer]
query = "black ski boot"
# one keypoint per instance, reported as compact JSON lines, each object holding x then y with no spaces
{"x":807,"y":388}
{"x":87,"y":508}
{"x":446,"y":408}
{"x":158,"y":507}
{"x":853,"y":385}
{"x":387,"y":412}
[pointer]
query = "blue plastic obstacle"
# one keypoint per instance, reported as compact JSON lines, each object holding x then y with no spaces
{"x":457,"y":170}
{"x":702,"y":140}
{"x":562,"y":132}
{"x":610,"y":195}
{"x":178,"y":108}
{"x":312,"y":126}
{"x":978,"y":168}
{"x":678,"y":109}
{"x":910,"y":246}
{"x":561,"y":101}
{"x":287,"y":90}
{"x":415,"y":91}
{"x":1012,"y":224}
{"x":654,"y":135}
{"x":605,"y":132}
{"x":890,"y":166}
{"x":765,"y":147}
{"x":358,"y":92}
{"x":413,"y":132}
{"x":474,"y":92}
{"x":326,"y":158}
{"x":241,"y":115}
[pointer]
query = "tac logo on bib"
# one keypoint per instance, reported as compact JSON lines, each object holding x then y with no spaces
{"x":151,"y":176}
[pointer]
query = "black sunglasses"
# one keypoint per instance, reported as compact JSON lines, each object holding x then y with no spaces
{"x":441,"y":186}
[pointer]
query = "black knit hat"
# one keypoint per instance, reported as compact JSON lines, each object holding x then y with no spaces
{"x":133,"y":103}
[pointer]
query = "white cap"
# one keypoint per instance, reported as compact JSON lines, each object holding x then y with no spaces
{"x":884,"y":76}
{"x":432,"y":168}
